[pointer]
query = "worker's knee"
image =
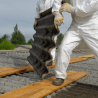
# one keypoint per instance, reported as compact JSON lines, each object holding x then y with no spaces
{"x":65,"y":49}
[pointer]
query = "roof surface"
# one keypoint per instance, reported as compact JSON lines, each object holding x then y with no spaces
{"x":16,"y":59}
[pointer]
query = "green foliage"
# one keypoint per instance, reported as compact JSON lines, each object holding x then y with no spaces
{"x":17,"y":37}
{"x":5,"y":37}
{"x":30,"y":41}
{"x":6,"y":45}
{"x":59,"y":39}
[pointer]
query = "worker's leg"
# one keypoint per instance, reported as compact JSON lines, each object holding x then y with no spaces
{"x":70,"y":41}
{"x":53,"y":52}
{"x":91,"y":39}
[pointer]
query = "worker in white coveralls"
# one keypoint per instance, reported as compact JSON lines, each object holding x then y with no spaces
{"x":43,"y":5}
{"x":84,"y":26}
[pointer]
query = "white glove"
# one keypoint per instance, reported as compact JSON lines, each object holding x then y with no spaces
{"x":35,"y":23}
{"x":67,"y":8}
{"x":58,"y":20}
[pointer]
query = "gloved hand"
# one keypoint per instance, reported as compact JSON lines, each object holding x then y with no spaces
{"x":67,"y":8}
{"x":58,"y":20}
{"x":35,"y":23}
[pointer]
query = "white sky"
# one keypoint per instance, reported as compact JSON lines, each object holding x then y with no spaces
{"x":22,"y":12}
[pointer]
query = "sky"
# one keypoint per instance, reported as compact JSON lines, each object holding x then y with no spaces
{"x":22,"y":13}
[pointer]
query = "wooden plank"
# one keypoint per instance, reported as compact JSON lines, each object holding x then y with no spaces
{"x":42,"y":88}
{"x":36,"y":86}
{"x":74,"y":60}
{"x":25,"y":69}
{"x":5,"y":68}
{"x":3,"y":71}
{"x":88,"y":56}
{"x":10,"y":70}
{"x":79,"y":59}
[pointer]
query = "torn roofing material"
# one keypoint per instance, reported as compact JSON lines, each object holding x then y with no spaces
{"x":40,"y":53}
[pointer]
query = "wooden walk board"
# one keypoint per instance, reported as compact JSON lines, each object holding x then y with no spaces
{"x":5,"y":68}
{"x":88,"y":56}
{"x":42,"y":88}
{"x":74,"y":60}
{"x":10,"y":70}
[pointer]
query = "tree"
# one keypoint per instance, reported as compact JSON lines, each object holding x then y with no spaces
{"x":17,"y":36}
{"x":30,"y":41}
{"x":59,"y":38}
{"x":5,"y":37}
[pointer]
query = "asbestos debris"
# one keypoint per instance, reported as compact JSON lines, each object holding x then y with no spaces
{"x":40,"y":53}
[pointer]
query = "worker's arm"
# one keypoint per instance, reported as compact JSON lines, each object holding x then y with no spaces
{"x":86,"y":8}
{"x":82,"y":8}
{"x":58,"y":20}
{"x":66,"y":7}
{"x":37,"y":16}
{"x":56,"y":5}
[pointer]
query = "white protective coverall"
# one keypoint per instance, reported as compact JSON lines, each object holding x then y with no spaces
{"x":84,"y":26}
{"x":41,"y":6}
